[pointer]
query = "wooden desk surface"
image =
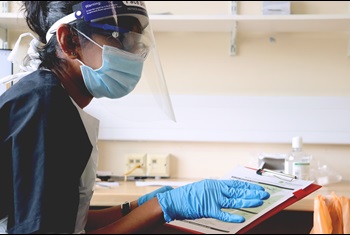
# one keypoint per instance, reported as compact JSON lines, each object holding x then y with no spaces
{"x":307,"y":204}
{"x":128,"y":191}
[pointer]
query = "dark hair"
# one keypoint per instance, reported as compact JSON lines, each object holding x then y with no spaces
{"x":40,"y":16}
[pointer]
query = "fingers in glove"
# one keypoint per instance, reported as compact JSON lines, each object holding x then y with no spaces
{"x":236,"y":203}
{"x":247,"y":194}
{"x":242,"y":184}
{"x":231,"y":218}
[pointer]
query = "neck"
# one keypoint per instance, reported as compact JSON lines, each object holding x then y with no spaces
{"x":74,"y":85}
{"x":81,"y":101}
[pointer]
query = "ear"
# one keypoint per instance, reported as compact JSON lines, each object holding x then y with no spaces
{"x":68,"y":40}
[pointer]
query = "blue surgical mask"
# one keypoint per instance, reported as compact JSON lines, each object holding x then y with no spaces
{"x":118,"y":75}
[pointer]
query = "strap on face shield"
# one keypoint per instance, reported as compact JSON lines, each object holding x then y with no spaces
{"x":109,"y":27}
{"x":115,"y":30}
{"x":72,"y":17}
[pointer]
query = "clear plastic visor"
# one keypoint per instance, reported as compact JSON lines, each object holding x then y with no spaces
{"x":133,"y":34}
{"x":129,"y":37}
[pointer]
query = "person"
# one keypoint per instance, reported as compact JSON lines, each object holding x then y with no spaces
{"x":48,"y":144}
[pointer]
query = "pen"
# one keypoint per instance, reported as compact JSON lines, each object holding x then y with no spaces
{"x":261,"y":171}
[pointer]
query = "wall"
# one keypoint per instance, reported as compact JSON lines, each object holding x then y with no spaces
{"x":198,"y":160}
{"x":299,"y":64}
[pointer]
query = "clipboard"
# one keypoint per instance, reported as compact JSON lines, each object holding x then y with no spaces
{"x":297,"y":195}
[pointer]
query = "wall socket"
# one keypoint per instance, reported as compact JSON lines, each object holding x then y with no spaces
{"x":152,"y":165}
{"x":133,"y":160}
{"x":158,"y":165}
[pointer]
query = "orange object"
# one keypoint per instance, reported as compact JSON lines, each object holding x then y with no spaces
{"x":331,"y":215}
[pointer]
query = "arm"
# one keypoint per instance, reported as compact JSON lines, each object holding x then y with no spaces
{"x":101,"y":218}
{"x":203,"y":199}
{"x":139,"y":219}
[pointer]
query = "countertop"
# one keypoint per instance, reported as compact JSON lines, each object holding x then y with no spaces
{"x":129,"y":191}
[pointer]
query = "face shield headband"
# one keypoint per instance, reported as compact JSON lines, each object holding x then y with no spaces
{"x":123,"y":24}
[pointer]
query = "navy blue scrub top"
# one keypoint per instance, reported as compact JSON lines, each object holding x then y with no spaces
{"x":44,"y":149}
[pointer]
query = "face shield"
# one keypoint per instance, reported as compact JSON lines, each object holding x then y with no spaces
{"x":115,"y":40}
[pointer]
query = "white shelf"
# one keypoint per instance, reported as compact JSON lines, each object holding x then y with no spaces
{"x":296,"y":23}
{"x":192,"y":23}
{"x":225,"y":23}
{"x":251,"y":23}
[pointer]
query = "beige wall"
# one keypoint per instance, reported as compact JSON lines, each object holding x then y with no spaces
{"x":298,"y":64}
{"x":310,"y":64}
{"x":198,"y":160}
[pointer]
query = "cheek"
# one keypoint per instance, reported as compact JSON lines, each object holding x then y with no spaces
{"x":93,"y":58}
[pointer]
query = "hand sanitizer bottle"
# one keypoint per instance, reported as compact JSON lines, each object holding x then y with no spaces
{"x":297,"y":161}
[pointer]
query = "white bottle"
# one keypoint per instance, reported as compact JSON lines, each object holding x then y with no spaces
{"x":297,"y":161}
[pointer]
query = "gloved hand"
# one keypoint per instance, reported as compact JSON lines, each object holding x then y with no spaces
{"x":153,"y":194}
{"x":204,"y":199}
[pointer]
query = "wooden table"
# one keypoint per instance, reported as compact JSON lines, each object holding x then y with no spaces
{"x":128,"y":191}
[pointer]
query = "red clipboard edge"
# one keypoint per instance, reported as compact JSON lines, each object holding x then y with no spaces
{"x":298,"y":195}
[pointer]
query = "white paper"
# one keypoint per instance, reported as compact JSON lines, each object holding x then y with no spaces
{"x":280,"y":191}
{"x":162,"y":183}
{"x":107,"y":184}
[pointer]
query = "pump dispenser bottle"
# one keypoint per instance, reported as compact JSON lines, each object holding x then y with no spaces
{"x":297,"y":161}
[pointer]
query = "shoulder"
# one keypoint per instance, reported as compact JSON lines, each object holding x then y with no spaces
{"x":37,"y":86}
{"x":40,"y":79}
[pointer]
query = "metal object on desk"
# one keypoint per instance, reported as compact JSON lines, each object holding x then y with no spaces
{"x":271,"y":161}
{"x":278,"y":174}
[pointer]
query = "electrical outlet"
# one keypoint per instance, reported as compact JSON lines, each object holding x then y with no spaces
{"x":158,"y":165}
{"x":133,"y":160}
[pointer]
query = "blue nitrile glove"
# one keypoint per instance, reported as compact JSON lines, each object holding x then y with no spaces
{"x":204,"y":199}
{"x":153,"y":194}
